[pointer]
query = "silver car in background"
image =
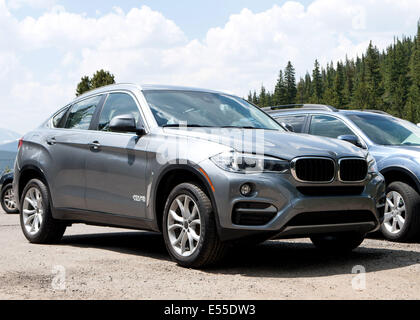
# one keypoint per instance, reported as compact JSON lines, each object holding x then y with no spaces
{"x":206,"y":169}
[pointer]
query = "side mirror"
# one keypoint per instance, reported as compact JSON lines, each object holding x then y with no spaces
{"x":352,"y":139}
{"x":125,"y":123}
{"x":289,"y":127}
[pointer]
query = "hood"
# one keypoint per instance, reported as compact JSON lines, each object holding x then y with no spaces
{"x":279,"y":144}
{"x":382,"y":153}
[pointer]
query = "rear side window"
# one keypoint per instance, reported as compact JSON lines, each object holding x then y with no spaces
{"x":117,"y":104}
{"x":297,"y":122}
{"x":81,"y":113}
{"x":330,"y":127}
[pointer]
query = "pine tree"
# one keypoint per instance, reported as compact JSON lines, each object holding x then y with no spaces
{"x":338,"y":87}
{"x":102,"y":78}
{"x":279,"y":97}
{"x":249,"y":96}
{"x":290,"y":81}
{"x":83,"y":86}
{"x":300,"y":92}
{"x":373,"y":78}
{"x":262,"y":100}
{"x":99,"y":79}
{"x":412,"y":110}
{"x":317,"y":84}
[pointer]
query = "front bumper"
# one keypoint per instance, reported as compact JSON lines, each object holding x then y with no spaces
{"x":281,"y":192}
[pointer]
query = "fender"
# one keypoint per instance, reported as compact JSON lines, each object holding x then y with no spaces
{"x":194,"y":169}
{"x":405,"y":171}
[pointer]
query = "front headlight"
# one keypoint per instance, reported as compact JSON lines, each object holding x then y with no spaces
{"x":372,"y":166}
{"x":249,"y":163}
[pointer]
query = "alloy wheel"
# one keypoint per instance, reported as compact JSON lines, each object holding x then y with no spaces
{"x":395,"y":212}
{"x":33,"y":211}
{"x":9,"y":199}
{"x":184,"y":225}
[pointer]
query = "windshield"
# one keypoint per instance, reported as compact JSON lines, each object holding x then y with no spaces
{"x":204,"y":109}
{"x":385,"y":130}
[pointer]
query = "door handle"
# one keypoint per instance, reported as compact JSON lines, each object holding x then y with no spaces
{"x":51,"y":141}
{"x":95,"y":145}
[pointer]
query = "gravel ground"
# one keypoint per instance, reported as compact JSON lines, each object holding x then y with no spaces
{"x":105,"y":263}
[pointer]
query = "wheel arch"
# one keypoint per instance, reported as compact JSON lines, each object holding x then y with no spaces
{"x":28,"y":173}
{"x":173,"y":176}
{"x":393,"y":174}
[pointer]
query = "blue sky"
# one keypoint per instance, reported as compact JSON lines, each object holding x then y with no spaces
{"x":232,"y":46}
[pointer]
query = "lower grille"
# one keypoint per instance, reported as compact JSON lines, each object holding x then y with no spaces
{"x":313,"y":169}
{"x":353,"y":170}
{"x":331,"y":191}
{"x":331,"y":217}
{"x":253,"y":213}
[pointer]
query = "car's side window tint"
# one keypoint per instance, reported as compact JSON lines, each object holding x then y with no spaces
{"x":327,"y":126}
{"x":297,"y":122}
{"x":57,"y":120}
{"x":117,"y":104}
{"x":81,"y":113}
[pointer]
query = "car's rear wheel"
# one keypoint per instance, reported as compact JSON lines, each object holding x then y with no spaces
{"x":8,"y":201}
{"x":402,"y":213}
{"x":36,"y":219}
{"x":338,"y":243}
{"x":189,"y":228}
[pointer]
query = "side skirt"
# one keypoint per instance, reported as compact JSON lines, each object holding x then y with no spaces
{"x":103,"y":219}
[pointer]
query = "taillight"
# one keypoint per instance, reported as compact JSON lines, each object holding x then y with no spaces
{"x":20,"y":143}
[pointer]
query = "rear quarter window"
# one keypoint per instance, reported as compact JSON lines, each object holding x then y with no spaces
{"x":57,"y":120}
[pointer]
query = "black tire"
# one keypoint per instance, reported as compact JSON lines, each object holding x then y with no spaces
{"x":338,"y":243}
{"x":51,"y":230}
{"x":411,"y":228}
{"x":209,"y":249}
{"x":6,"y":188}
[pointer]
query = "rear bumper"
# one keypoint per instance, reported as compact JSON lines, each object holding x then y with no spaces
{"x":280,"y":191}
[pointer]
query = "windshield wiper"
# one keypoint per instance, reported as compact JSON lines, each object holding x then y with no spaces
{"x":246,"y":127}
{"x":178,"y":125}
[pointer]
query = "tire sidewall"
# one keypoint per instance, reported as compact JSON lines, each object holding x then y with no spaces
{"x":186,"y":189}
{"x":46,"y":204}
{"x":402,"y":189}
{"x":3,"y":191}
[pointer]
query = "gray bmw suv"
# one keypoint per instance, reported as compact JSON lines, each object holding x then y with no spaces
{"x":204,"y":168}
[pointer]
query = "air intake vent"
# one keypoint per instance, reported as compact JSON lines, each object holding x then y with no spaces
{"x":253,"y":213}
{"x":313,"y":169}
{"x":352,"y":170}
{"x":331,"y":217}
{"x":331,"y":191}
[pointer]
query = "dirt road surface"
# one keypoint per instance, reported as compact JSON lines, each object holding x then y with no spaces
{"x":105,"y":263}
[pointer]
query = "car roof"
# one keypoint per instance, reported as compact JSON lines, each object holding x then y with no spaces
{"x":143,"y":87}
{"x":341,"y":112}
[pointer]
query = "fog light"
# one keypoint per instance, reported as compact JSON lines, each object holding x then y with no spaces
{"x":246,"y":189}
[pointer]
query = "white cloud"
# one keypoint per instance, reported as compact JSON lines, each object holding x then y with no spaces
{"x":142,"y":45}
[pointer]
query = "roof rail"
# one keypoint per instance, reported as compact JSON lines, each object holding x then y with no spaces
{"x":302,"y":106}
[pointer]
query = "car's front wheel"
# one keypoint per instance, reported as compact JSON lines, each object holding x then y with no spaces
{"x":189,"y":228}
{"x":402,"y":213}
{"x":8,"y":201}
{"x":36,"y":219}
{"x":338,"y":243}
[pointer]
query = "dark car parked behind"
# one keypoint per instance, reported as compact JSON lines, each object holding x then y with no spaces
{"x":7,"y":198}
